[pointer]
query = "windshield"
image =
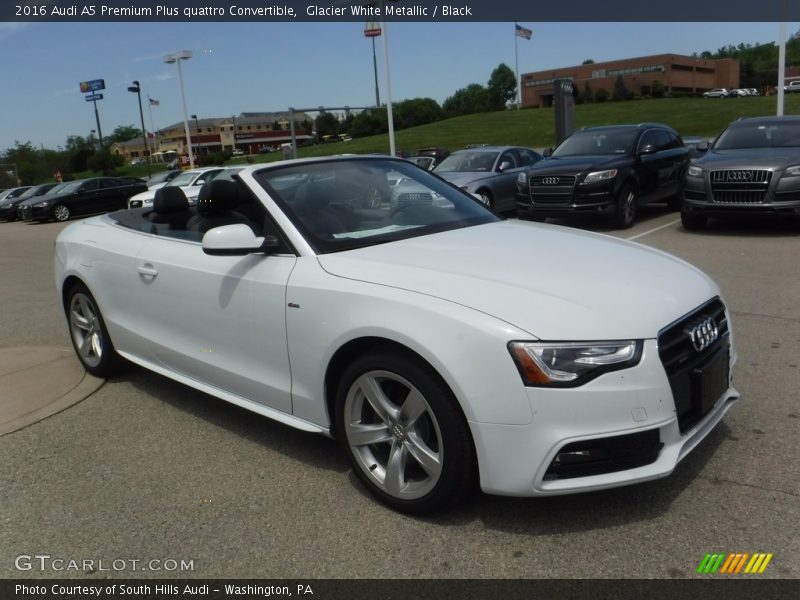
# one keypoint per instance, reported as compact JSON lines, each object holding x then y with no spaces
{"x":340,"y":205}
{"x":467,"y":161}
{"x":68,"y":188}
{"x":604,"y":141}
{"x":760,"y":135}
{"x":37,"y":190}
{"x":188,"y":178}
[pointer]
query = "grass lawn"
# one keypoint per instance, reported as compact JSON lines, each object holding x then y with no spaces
{"x":535,"y":127}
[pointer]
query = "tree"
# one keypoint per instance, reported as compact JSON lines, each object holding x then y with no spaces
{"x":588,"y":61}
{"x":124,"y":133}
{"x":601,"y":95}
{"x":78,"y":151}
{"x":657,"y":88}
{"x":502,"y":87}
{"x":465,"y":101}
{"x":586,"y":95}
{"x":620,"y":91}
{"x":368,"y":122}
{"x":416,"y":111}
{"x":104,"y":162}
{"x":326,"y":124}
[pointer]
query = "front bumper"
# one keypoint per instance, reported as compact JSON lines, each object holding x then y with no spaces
{"x":565,"y":199}
{"x":514,"y":460}
{"x":34,"y":213}
{"x":781,"y":196}
{"x":8,"y":212}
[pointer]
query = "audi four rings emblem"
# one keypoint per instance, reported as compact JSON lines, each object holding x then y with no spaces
{"x":739,"y":175}
{"x":703,"y":334}
{"x":550,"y":180}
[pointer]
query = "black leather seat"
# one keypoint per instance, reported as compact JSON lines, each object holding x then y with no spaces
{"x":311,"y":205}
{"x":216,"y":205}
{"x":170,"y":208}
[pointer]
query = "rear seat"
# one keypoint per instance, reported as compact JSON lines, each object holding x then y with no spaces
{"x":170,"y":210}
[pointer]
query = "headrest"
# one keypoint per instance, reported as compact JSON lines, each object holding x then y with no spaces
{"x":310,"y":197}
{"x":218,"y":196}
{"x":170,"y":199}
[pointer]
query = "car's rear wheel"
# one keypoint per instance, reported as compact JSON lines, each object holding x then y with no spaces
{"x":60,"y":212}
{"x":626,"y":207}
{"x":374,"y":198}
{"x":89,"y":334}
{"x":404,"y":433}
{"x":692,"y":221}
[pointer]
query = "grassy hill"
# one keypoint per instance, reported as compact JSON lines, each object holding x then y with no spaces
{"x":535,"y":128}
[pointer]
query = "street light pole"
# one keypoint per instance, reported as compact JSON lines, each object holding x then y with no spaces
{"x":197,"y":132}
{"x":137,"y":89}
{"x":177,"y":58}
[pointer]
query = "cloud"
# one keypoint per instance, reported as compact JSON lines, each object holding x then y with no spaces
{"x":164,"y":76}
{"x":9,"y":29}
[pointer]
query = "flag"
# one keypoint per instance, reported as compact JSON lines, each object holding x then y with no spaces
{"x":523,"y":32}
{"x":153,"y":102}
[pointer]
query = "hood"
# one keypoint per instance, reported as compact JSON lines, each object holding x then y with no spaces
{"x":575,"y":164}
{"x":556,"y":283}
{"x":464,"y":178}
{"x":766,"y":158}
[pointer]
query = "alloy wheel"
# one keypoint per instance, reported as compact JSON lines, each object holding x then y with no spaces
{"x":393,"y":434}
{"x":85,"y":328}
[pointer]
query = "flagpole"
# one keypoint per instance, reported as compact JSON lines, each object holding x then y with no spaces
{"x":516,"y":65}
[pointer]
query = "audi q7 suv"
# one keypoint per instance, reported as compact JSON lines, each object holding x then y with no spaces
{"x":611,"y":169}
{"x":753,"y":166}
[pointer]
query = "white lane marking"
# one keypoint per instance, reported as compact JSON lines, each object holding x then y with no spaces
{"x":654,"y":229}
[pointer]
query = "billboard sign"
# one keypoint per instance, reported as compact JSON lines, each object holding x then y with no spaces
{"x":92,"y":86}
{"x":93,"y":97}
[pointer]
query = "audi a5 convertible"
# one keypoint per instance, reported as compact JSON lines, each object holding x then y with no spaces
{"x":442,"y":346}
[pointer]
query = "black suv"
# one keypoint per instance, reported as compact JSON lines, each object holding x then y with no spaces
{"x":612,"y":169}
{"x":752,"y":167}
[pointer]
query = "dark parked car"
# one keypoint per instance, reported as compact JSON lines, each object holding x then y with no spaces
{"x":752,"y":167}
{"x":488,"y":172}
{"x":13,"y":192}
{"x":86,"y":196}
{"x":608,"y":170}
{"x":8,"y":207}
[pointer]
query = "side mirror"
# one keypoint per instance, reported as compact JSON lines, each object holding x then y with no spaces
{"x":703,"y":146}
{"x":647,"y":149}
{"x":547,"y":152}
{"x":237,"y":240}
{"x":505,"y":165}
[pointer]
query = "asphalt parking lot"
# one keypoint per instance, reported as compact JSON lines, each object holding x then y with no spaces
{"x":146,"y":468}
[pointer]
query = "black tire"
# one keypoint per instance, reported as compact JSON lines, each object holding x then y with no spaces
{"x":61,"y":212}
{"x":692,"y":221}
{"x":89,"y":335}
{"x":417,"y":417}
{"x":626,"y":208}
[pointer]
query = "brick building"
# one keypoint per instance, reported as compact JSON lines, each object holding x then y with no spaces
{"x":677,"y":73}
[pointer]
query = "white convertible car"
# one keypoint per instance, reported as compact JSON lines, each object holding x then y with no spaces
{"x":441,"y":345}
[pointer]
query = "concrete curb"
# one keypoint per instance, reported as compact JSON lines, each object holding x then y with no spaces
{"x":37,"y":382}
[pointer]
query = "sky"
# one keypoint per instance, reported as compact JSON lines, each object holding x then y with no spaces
{"x":265,"y":67}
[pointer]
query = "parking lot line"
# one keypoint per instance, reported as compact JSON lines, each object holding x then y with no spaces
{"x":654,"y":229}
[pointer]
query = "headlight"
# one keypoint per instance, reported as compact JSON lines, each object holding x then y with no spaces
{"x":570,"y":364}
{"x":41,"y":205}
{"x":793,"y":171}
{"x":694,"y":171}
{"x":522,"y":178}
{"x":600,"y":176}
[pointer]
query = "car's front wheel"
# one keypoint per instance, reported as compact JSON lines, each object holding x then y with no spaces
{"x":60,"y":212}
{"x":89,"y":334}
{"x":692,"y":221}
{"x":625,"y":208}
{"x":404,"y":433}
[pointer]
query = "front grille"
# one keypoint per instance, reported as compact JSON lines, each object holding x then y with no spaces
{"x":741,"y":176}
{"x":605,"y":455}
{"x":420,"y":197}
{"x":552,"y":189}
{"x":24,"y":212}
{"x":685,"y":365}
{"x":740,"y":186}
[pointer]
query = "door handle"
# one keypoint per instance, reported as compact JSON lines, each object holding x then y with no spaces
{"x":147,"y":270}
